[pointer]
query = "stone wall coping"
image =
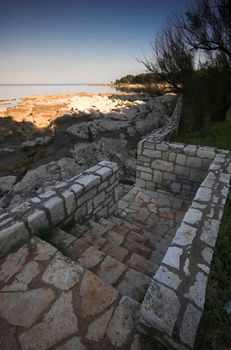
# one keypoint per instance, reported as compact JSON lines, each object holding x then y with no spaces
{"x":78,"y":197}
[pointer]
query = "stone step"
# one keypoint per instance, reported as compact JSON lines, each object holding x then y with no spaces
{"x":70,"y":305}
{"x":103,"y":254}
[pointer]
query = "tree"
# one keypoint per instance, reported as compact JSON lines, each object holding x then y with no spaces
{"x":192,"y":54}
{"x":207,"y":27}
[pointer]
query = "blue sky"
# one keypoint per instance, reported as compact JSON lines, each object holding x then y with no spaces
{"x":77,"y":41}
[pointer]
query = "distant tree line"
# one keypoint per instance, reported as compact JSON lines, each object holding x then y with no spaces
{"x":144,"y":78}
{"x":192,"y":55}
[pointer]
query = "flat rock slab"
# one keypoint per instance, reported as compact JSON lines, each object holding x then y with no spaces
{"x":95,"y":295}
{"x":62,"y":272}
{"x":54,"y":327}
{"x":134,"y":284}
{"x":23,"y":308}
{"x":123,"y":321}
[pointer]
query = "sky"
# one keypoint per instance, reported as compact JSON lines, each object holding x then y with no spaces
{"x":77,"y":41}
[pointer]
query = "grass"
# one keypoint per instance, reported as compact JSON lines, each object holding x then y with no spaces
{"x":219,"y":136}
{"x":215,"y":328}
{"x":214,"y":332}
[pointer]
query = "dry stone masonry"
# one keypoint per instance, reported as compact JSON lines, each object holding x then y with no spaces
{"x":92,"y":192}
{"x":175,"y":300}
{"x":83,"y":270}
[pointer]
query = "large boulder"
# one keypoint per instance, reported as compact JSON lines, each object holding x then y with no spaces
{"x":46,"y":175}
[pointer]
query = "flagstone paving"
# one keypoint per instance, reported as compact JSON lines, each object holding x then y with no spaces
{"x":83,"y":289}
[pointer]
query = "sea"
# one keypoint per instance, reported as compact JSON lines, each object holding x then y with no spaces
{"x":17,"y":91}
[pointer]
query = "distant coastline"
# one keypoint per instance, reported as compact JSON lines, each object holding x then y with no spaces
{"x":10,"y":94}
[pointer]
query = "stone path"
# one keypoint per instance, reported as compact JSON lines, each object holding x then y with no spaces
{"x":83,"y":289}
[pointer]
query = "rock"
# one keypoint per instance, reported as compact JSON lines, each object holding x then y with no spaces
{"x":97,"y":329}
{"x":13,"y":264}
{"x":72,"y":344}
{"x":6,"y":183}
{"x":123,"y":321}
{"x":24,"y":278}
{"x":38,"y":141}
{"x":48,"y":173}
{"x":53,"y":328}
{"x":95,"y":295}
{"x":8,"y":337}
{"x":62,"y":272}
{"x":25,"y":307}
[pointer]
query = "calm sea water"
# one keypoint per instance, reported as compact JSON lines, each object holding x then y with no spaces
{"x":8,"y":91}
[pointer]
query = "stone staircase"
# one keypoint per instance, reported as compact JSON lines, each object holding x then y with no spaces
{"x":86,"y":282}
{"x":124,"y":252}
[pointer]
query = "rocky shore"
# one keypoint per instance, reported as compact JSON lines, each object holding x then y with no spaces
{"x":47,"y":139}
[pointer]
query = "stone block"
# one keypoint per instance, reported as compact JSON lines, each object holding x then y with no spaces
{"x":91,"y":257}
{"x":86,"y":196}
{"x":162,"y":165}
{"x":160,"y":308}
{"x":109,"y":164}
{"x":210,"y":231}
{"x":190,"y":150}
{"x":194,"y":162}
{"x":104,"y":172}
{"x":189,"y":325}
{"x":165,"y":276}
{"x":134,"y":284}
{"x":180,"y":159}
{"x":157,"y":176}
{"x":206,"y":152}
{"x":142,"y":265}
{"x":70,"y":203}
{"x":182,"y":170}
{"x":197,"y":175}
{"x":37,"y":221}
{"x":207,"y":254}
{"x":11,"y":236}
{"x":172,"y":257}
{"x":169,"y":176}
{"x":144,"y":169}
{"x":123,"y":322}
{"x":175,"y":187}
{"x":184,"y":235}
{"x":47,"y":194}
{"x":145,"y":176}
{"x":204,"y":194}
{"x":176,"y":146}
{"x":172,"y":157}
{"x":88,"y":181}
{"x":98,"y":199}
{"x":80,"y":213}
{"x":140,"y":183}
{"x":162,"y":146}
{"x":77,"y":189}
{"x":110,"y":270}
{"x":152,"y":153}
{"x":198,"y":290}
{"x":55,"y":205}
{"x":192,"y":216}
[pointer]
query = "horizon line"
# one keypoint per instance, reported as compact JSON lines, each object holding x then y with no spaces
{"x":54,"y":83}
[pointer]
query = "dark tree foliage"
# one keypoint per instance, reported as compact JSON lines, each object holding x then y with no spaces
{"x":192,"y":54}
{"x":144,"y":78}
{"x":207,"y":27}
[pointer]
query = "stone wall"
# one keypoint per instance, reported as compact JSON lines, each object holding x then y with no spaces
{"x":173,"y":306}
{"x":174,"y":167}
{"x":92,"y":192}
